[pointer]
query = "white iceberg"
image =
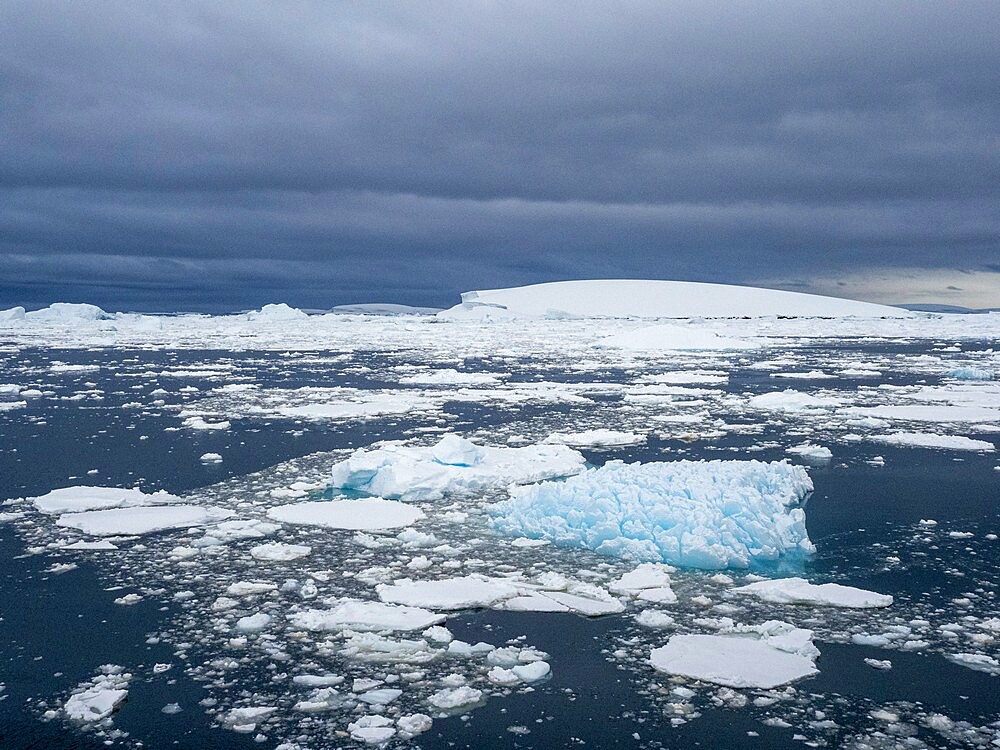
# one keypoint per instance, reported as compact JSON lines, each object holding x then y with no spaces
{"x":703,"y":514}
{"x":641,"y":298}
{"x":452,"y":466}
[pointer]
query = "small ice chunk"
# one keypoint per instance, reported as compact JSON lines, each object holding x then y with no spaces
{"x":451,"y":699}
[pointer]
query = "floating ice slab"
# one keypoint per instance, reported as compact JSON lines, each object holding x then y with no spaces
{"x":601,"y":438}
{"x":731,"y":661}
{"x":800,"y":591}
{"x":76,"y":499}
{"x":704,"y":514}
{"x":278,"y":552}
{"x":360,"y":615}
{"x":97,"y":699}
{"x":758,"y":656}
{"x":809,"y":451}
{"x":791,"y":400}
{"x":369,"y":514}
{"x":453,"y":466}
{"x":467,"y":592}
{"x":929,"y":440}
{"x":629,"y":298}
{"x":142,"y":520}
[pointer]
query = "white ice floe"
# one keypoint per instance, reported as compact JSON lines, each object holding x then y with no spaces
{"x":354,"y":614}
{"x":648,"y":582}
{"x":930,"y":440}
{"x":809,"y":451}
{"x":705,"y":514}
{"x":977,"y":662}
{"x":76,"y":499}
{"x":467,"y":592}
{"x":763,"y":656}
{"x":279,"y":552}
{"x":791,"y":400}
{"x":602,"y":438}
{"x":367,"y":514}
{"x":800,"y":591}
{"x":452,"y":466}
{"x":922,"y":413}
{"x":142,"y":520}
{"x":200,"y":423}
{"x":96,"y":699}
{"x":670,"y":337}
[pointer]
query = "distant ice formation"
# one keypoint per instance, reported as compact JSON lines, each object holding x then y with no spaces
{"x":641,"y":298}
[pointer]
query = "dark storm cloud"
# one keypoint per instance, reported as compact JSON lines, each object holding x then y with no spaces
{"x":334,"y":152}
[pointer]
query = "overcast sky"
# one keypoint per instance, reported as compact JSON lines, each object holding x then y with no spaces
{"x":219,"y":155}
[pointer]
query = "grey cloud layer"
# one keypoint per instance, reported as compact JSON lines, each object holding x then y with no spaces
{"x":444,"y":146}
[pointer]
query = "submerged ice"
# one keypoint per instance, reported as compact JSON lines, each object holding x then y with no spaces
{"x":702,"y":514}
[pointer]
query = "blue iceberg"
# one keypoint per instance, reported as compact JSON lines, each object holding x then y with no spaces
{"x":701,"y":514}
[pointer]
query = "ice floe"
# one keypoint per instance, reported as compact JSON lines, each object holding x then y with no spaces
{"x":763,"y":656}
{"x":800,"y":591}
{"x":366,"y":514}
{"x":142,"y":520}
{"x":83,"y":498}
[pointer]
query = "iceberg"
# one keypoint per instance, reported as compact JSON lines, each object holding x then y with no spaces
{"x":453,"y":466}
{"x":701,"y":514}
{"x":66,"y":312}
{"x":642,"y":298}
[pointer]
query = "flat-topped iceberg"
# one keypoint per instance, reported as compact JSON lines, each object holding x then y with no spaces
{"x":452,"y":466}
{"x":642,"y":298}
{"x":142,"y":520}
{"x":702,"y":514}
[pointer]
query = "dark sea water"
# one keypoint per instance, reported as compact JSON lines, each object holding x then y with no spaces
{"x":55,"y":629}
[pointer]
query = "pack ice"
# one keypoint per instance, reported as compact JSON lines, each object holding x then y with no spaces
{"x":702,"y":514}
{"x":453,"y":466}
